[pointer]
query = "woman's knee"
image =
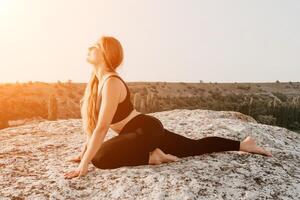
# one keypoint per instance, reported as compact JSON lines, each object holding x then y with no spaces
{"x":101,"y":158}
{"x":155,"y":126}
{"x":102,"y":163}
{"x":158,"y":122}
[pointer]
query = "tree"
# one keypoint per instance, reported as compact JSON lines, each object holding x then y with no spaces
{"x":52,"y":108}
{"x":3,"y":124}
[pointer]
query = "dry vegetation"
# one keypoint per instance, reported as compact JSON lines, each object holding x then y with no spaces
{"x":270,"y":103}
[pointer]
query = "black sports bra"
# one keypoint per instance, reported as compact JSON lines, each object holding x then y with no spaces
{"x":124,"y":108}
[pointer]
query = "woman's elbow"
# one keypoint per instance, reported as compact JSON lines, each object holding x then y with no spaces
{"x":101,"y":130}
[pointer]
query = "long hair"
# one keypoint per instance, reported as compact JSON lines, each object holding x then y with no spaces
{"x":112,"y":53}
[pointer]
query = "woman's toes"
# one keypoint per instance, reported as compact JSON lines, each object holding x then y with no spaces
{"x":269,"y":154}
{"x":242,"y":152}
{"x":260,"y":150}
{"x":171,"y":158}
{"x":263,"y":151}
{"x":175,"y":157}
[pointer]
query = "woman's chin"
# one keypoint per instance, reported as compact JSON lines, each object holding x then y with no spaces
{"x":89,"y":61}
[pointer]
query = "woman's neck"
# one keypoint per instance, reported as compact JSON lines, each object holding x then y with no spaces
{"x":101,"y":72}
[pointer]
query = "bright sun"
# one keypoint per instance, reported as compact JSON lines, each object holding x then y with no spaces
{"x":5,"y":6}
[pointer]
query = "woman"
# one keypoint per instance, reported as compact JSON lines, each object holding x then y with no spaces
{"x":142,"y":138}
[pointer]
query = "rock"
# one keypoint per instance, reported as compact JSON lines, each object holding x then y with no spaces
{"x":34,"y":159}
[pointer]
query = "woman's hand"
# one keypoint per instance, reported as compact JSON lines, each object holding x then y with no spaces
{"x":80,"y":171}
{"x":75,"y":159}
{"x":78,"y":158}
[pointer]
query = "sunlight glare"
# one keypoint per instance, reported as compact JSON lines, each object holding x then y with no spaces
{"x":5,"y":6}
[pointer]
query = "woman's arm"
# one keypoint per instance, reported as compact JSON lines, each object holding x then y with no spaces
{"x":83,"y":150}
{"x":92,"y":147}
{"x":109,"y":103}
{"x":94,"y":144}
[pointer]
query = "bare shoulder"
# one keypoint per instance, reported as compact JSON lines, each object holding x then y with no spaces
{"x":112,"y":82}
{"x":112,"y":85}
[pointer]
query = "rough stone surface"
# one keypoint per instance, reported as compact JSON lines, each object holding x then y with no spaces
{"x":33,"y":161}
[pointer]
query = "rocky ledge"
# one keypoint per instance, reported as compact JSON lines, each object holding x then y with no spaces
{"x":34,"y":159}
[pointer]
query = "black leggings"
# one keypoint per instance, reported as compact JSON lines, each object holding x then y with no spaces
{"x":143,"y":134}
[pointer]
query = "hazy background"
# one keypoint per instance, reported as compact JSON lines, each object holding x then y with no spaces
{"x":173,"y":41}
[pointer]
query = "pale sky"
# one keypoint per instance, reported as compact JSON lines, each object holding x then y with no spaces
{"x":163,"y":40}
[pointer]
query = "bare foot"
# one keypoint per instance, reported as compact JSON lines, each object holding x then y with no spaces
{"x":158,"y":156}
{"x":249,"y":145}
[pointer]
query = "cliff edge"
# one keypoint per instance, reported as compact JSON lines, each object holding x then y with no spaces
{"x":34,"y":159}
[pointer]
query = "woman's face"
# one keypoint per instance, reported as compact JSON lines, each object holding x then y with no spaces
{"x":94,"y":55}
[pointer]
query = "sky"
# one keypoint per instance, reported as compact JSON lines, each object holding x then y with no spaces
{"x":169,"y":40}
